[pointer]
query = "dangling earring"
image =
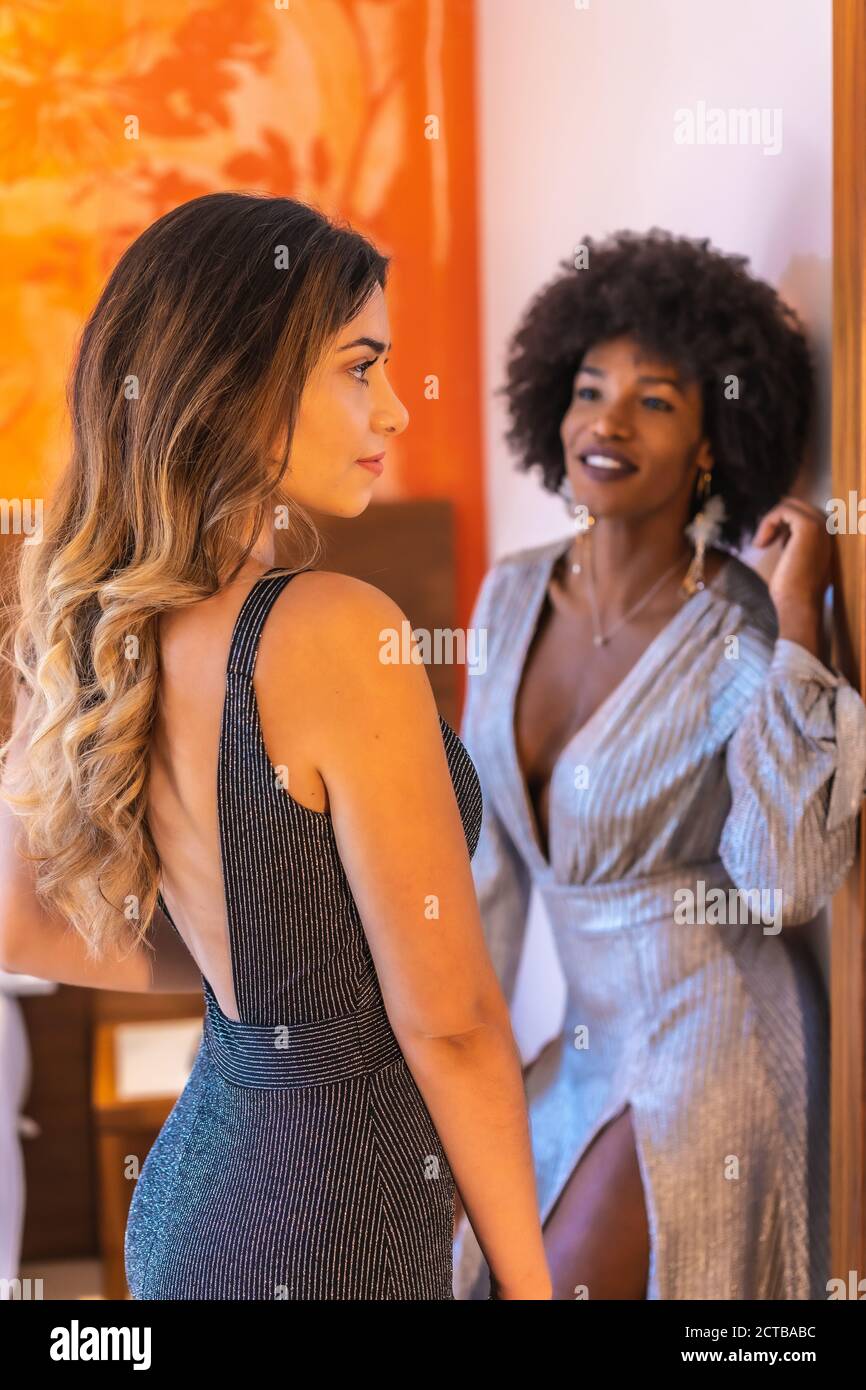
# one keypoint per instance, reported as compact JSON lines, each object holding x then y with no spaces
{"x":583,"y":519}
{"x":703,"y":530}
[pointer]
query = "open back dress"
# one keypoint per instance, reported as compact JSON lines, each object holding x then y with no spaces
{"x":300,"y":1160}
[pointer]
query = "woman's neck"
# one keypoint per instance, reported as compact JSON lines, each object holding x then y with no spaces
{"x":627,"y":557}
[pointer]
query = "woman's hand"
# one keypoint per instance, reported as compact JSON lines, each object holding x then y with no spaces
{"x":800,"y":579}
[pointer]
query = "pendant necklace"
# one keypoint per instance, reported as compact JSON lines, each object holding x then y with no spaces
{"x":600,"y":637}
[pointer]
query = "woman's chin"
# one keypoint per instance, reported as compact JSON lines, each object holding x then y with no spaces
{"x":345,"y":505}
{"x":359,"y":500}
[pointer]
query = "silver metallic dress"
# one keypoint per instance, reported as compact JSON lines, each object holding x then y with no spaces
{"x":725,"y":759}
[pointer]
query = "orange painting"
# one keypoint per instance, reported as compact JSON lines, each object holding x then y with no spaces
{"x":111,"y":114}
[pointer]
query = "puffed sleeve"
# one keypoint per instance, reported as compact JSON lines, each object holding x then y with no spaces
{"x":796,"y":767}
{"x":501,"y":877}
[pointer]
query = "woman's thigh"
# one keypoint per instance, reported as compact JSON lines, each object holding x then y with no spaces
{"x":597,"y":1235}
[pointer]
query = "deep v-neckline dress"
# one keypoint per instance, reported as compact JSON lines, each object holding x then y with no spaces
{"x":300,"y":1161}
{"x":637,"y":676}
{"x":726,"y":759}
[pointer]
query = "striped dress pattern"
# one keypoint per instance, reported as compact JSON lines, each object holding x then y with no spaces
{"x":300,"y":1161}
{"x":728,"y":759}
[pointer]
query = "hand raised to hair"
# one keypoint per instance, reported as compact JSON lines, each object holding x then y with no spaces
{"x":805,"y":565}
{"x":799,"y":581}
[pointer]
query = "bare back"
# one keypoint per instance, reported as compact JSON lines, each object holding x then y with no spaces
{"x":182,"y":797}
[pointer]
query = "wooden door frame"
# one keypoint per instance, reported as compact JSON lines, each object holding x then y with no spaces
{"x":848,"y":938}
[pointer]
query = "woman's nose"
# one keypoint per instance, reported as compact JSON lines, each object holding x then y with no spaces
{"x":611,"y":419}
{"x":391,"y":419}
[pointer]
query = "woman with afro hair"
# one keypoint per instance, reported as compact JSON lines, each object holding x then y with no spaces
{"x":665,"y":754}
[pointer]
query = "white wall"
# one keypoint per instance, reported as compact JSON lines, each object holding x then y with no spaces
{"x":576,"y":117}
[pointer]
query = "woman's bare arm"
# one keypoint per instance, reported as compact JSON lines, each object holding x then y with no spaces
{"x":35,"y":941}
{"x":377,"y":743}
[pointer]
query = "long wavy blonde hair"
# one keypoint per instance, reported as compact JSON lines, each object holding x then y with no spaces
{"x":188,"y":371}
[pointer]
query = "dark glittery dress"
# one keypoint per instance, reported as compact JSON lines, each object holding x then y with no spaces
{"x":300,"y":1160}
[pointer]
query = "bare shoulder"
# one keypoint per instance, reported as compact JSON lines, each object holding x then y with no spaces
{"x":321,"y":607}
{"x":337,"y":635}
{"x":329,"y":596}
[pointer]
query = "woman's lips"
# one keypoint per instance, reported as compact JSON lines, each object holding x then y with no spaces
{"x":605,"y":468}
{"x":374,"y":465}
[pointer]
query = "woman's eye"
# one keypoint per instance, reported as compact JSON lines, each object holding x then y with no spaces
{"x":362,"y":367}
{"x":591,"y":393}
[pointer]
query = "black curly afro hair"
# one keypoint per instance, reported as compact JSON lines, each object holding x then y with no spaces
{"x":701,"y":311}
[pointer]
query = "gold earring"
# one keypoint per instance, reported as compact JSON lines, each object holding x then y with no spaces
{"x":705,"y":529}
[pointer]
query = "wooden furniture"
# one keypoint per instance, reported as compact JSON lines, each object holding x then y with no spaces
{"x":848,"y":953}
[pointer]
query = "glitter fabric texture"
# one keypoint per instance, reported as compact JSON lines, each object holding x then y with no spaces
{"x":300,"y":1161}
{"x":727,"y":758}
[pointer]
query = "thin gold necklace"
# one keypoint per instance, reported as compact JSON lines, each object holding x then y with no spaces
{"x":601,"y":638}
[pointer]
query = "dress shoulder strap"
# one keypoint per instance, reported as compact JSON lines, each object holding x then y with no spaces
{"x":247,"y":631}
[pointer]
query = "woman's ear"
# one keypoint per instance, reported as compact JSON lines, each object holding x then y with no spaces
{"x":705,"y":458}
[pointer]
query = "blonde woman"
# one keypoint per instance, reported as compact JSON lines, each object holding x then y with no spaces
{"x":221,"y":785}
